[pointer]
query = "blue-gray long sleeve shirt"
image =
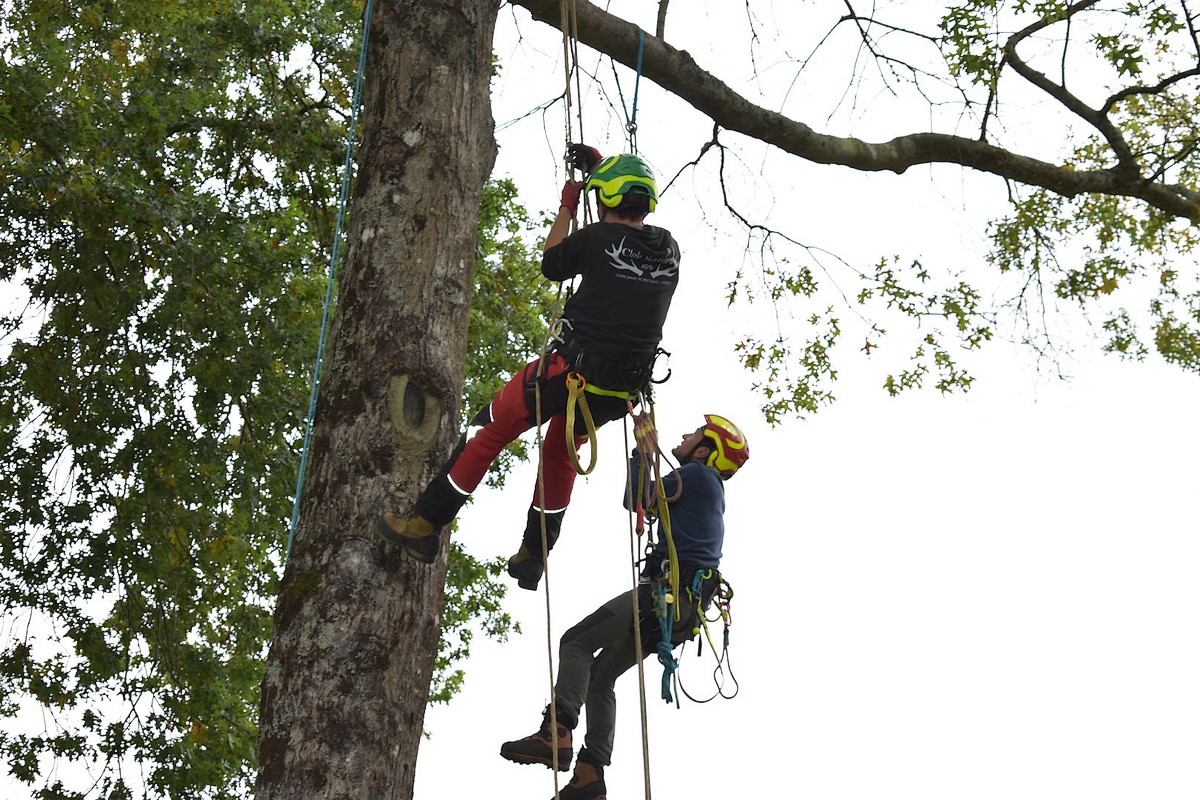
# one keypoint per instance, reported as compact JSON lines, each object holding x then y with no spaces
{"x":697,"y":515}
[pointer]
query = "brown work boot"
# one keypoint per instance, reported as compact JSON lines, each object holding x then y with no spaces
{"x":415,"y":534}
{"x":588,"y":781}
{"x":527,"y":568}
{"x":538,"y":748}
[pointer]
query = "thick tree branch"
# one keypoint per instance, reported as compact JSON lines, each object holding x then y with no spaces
{"x":676,"y":71}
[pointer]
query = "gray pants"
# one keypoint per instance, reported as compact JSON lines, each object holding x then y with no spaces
{"x":598,"y":650}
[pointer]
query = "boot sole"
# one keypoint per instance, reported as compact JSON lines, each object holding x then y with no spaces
{"x":524,"y":582}
{"x":564,"y":762}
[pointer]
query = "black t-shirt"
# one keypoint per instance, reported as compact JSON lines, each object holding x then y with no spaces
{"x":628,"y":278}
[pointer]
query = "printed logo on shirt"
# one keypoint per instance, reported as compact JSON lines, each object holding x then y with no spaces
{"x":640,"y":266}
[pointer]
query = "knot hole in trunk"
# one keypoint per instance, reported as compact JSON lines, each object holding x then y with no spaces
{"x":416,"y":415}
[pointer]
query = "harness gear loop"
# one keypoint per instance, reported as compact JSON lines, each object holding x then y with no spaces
{"x":577,"y":396}
{"x":660,"y":352}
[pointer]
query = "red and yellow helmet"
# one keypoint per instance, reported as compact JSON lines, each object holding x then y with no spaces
{"x":731,"y":451}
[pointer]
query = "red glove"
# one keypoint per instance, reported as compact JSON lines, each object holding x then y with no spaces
{"x":570,"y":195}
{"x":583,"y":157}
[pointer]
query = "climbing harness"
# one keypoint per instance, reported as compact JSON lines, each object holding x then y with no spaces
{"x":698,"y":599}
{"x":721,"y":599}
{"x":723,"y":671}
{"x":327,"y":314}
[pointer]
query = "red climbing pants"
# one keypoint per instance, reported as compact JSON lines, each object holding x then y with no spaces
{"x":512,"y":412}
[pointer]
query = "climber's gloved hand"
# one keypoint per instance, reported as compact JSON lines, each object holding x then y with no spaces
{"x":583,"y":157}
{"x":570,"y":196}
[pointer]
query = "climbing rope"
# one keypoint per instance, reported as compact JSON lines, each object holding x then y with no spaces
{"x":636,"y":530}
{"x":327,"y":314}
{"x":568,"y":23}
{"x":652,"y":457}
{"x":631,"y":114}
{"x":541,"y":494}
{"x":722,"y":594}
{"x":666,"y":647}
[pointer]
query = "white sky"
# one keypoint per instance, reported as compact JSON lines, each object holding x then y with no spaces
{"x":980,"y":596}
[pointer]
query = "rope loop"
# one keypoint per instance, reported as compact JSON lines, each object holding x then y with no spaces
{"x":666,"y":648}
{"x":577,"y":396}
{"x":722,"y":674}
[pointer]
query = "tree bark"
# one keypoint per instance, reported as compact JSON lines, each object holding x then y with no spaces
{"x":356,"y":627}
{"x":676,"y":71}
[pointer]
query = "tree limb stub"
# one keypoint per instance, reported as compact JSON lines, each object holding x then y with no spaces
{"x":677,"y":72}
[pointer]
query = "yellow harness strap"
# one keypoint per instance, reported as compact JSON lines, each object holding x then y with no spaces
{"x":594,"y":389}
{"x":577,"y":395}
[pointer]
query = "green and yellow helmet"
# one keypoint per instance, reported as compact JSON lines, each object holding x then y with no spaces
{"x":616,"y":176}
{"x":731,"y":450}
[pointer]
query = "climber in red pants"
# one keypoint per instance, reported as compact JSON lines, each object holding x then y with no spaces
{"x":610,"y":331}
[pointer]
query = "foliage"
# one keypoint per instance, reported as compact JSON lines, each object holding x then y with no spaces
{"x":1085,"y":250}
{"x":1068,"y":89}
{"x":169,"y":176}
{"x":168,"y":238}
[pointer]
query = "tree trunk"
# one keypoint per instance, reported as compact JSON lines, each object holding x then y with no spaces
{"x":356,"y":627}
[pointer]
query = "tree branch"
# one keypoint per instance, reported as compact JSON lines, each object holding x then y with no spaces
{"x":676,"y":71}
{"x":1158,"y":88}
{"x":1097,"y":119}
